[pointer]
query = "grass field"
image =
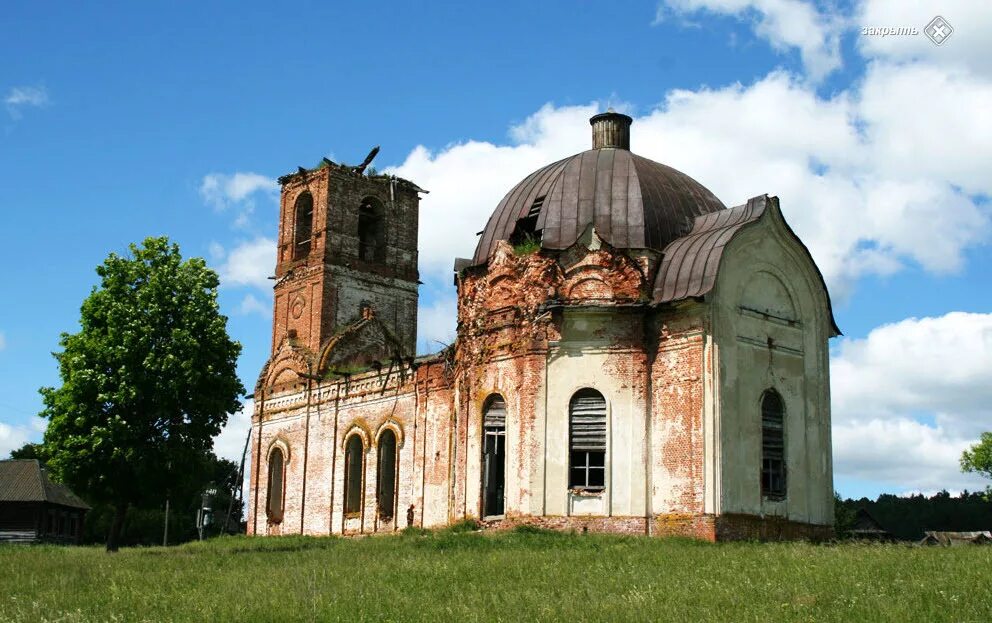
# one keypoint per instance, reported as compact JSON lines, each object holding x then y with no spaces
{"x":519,"y":576}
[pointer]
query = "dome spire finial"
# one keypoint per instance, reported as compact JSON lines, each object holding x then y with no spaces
{"x":610,"y":129}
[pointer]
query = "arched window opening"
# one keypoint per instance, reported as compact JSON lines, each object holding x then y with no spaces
{"x":772,"y":445}
{"x":371,"y":235}
{"x":386,"y":485}
{"x":277,"y":478}
{"x":587,"y":441}
{"x":303,"y":228}
{"x":354,"y":466}
{"x":493,"y":456}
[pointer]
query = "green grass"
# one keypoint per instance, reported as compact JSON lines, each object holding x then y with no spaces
{"x":528,"y":575}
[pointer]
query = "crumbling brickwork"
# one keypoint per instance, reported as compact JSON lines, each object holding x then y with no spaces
{"x":666,"y":439}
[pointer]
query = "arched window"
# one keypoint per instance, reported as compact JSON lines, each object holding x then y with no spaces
{"x":303,"y":227}
{"x":493,"y":455}
{"x":354,"y":466}
{"x":386,"y":485}
{"x":277,"y":477}
{"x":371,"y":235}
{"x":772,"y":445}
{"x":587,"y":440}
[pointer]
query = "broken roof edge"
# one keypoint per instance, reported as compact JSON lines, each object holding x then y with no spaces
{"x":302,"y":172}
{"x":701,"y":250}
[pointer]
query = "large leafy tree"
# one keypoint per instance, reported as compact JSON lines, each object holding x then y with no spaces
{"x":978,"y":458}
{"x":147,"y":382}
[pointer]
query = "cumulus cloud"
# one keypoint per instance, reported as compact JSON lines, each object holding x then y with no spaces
{"x":13,"y":437}
{"x":239,"y":191}
{"x":967,"y":47}
{"x":230,"y":442}
{"x":435,"y":328}
{"x":854,"y":183}
{"x":909,"y":397}
{"x":785,"y":24}
{"x":250,"y":304}
{"x":18,"y":98}
{"x":249,"y":263}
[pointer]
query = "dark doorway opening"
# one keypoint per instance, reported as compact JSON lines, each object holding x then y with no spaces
{"x":493,"y":456}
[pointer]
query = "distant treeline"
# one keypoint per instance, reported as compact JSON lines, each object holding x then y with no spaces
{"x":906,"y":518}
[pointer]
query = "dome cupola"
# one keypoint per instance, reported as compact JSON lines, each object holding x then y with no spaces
{"x":633,"y":202}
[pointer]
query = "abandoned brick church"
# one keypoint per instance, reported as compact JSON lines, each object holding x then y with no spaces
{"x":631,"y":356}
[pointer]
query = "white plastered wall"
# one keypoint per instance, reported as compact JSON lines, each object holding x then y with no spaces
{"x":589,"y":355}
{"x":771,"y":323}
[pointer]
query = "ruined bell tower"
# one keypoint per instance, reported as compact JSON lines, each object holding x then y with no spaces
{"x":347,"y":251}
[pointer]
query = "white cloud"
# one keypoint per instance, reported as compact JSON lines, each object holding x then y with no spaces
{"x":220,"y":190}
{"x":238,"y":190}
{"x":436,"y":324}
{"x":785,"y":24}
{"x":909,"y":397}
{"x":13,"y":437}
{"x":968,"y":46}
{"x":18,"y":98}
{"x":230,"y":443}
{"x":251,"y":305}
{"x":851,"y":184}
{"x":250,"y":263}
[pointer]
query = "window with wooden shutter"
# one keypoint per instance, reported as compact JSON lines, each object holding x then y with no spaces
{"x":587,"y":440}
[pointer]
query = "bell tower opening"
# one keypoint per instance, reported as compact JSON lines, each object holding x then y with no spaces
{"x":370,"y":231}
{"x":303,"y":226}
{"x":347,"y":248}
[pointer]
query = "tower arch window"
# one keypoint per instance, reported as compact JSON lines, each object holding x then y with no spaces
{"x":587,"y":441}
{"x":386,"y":475}
{"x":371,"y":231}
{"x":773,"y":484}
{"x":302,"y":225}
{"x":354,"y":474}
{"x":277,"y":480}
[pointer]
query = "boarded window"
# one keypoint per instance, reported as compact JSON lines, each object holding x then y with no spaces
{"x":303,"y":226}
{"x":386,"y":489}
{"x":274,"y":497}
{"x":371,"y":234}
{"x":772,"y":445}
{"x":587,"y":440}
{"x":493,"y":456}
{"x":354,"y":464}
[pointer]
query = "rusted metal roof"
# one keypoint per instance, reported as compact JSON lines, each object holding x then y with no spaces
{"x":23,"y":480}
{"x":633,"y":202}
{"x":690,"y":263}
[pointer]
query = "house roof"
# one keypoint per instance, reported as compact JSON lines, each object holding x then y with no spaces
{"x":24,"y":480}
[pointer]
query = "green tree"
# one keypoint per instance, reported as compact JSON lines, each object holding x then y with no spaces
{"x":978,"y":458}
{"x":28,"y":451}
{"x":147,"y":382}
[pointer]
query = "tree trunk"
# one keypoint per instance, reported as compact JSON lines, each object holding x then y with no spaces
{"x":120,"y":511}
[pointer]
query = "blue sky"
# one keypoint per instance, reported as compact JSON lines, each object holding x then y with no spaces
{"x":137,"y":119}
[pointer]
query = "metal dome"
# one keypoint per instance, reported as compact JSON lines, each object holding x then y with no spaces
{"x":633,"y":202}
